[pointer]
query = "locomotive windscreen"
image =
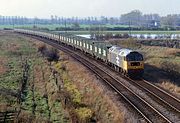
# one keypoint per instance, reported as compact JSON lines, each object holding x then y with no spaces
{"x":134,"y":56}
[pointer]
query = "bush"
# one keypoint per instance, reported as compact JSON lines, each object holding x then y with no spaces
{"x":42,"y":48}
{"x":108,"y":36}
{"x":130,"y":43}
{"x":117,"y":36}
{"x":171,"y":69}
{"x":168,"y":67}
{"x":75,"y":95}
{"x":84,"y":114}
{"x":50,"y":54}
{"x":44,"y":29}
{"x":125,"y":35}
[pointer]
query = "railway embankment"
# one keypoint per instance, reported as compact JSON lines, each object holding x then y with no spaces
{"x":84,"y":96}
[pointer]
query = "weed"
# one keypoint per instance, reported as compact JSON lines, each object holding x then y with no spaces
{"x":84,"y":114}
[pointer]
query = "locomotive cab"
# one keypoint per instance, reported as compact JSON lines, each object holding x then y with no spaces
{"x":135,"y":64}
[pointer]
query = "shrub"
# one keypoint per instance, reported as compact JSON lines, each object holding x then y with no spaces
{"x":51,"y":54}
{"x":125,"y":35}
{"x":42,"y":48}
{"x":75,"y":94}
{"x":63,"y":67}
{"x":168,"y":67}
{"x":130,"y":43}
{"x":108,"y":36}
{"x":171,"y":68}
{"x":84,"y":114}
{"x":117,"y":36}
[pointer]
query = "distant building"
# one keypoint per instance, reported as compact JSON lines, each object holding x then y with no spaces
{"x":154,"y":23}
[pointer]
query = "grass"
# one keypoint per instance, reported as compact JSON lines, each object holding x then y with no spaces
{"x":10,"y":50}
{"x":54,"y":26}
{"x":122,"y":32}
{"x":171,"y":87}
{"x":92,"y":93}
{"x":157,"y":54}
{"x":14,"y":50}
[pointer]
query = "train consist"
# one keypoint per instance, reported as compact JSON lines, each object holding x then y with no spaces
{"x":126,"y":61}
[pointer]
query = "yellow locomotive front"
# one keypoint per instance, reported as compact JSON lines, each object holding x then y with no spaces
{"x":127,"y":61}
{"x":134,"y":64}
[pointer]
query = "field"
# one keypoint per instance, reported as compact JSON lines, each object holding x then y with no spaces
{"x":24,"y":71}
{"x":122,"y":32}
{"x":54,"y":26}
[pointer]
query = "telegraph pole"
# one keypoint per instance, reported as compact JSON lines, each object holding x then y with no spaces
{"x":65,"y":26}
{"x":130,"y":28}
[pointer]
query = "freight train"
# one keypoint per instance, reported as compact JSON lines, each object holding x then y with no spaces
{"x":126,"y":61}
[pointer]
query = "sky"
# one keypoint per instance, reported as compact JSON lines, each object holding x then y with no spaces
{"x":85,"y":8}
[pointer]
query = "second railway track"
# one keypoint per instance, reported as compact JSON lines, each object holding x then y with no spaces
{"x":147,"y":111}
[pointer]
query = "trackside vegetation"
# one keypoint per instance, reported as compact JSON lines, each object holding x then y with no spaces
{"x":24,"y":82}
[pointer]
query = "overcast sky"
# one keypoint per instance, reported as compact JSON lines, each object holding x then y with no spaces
{"x":84,"y":8}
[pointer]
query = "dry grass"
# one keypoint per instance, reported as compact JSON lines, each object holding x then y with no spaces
{"x":171,"y":51}
{"x":96,"y":95}
{"x":8,"y":43}
{"x":13,"y":43}
{"x":3,"y":62}
{"x":12,"y":47}
{"x":38,"y":79}
{"x":156,"y":56}
{"x":26,"y":117}
{"x":5,"y":107}
{"x":171,"y":87}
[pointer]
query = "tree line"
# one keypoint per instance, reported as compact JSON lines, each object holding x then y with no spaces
{"x":135,"y":20}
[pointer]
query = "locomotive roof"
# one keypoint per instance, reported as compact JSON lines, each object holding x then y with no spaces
{"x":120,"y":51}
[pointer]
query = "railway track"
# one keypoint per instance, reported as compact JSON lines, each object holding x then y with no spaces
{"x":165,"y":102}
{"x":169,"y":102}
{"x":148,"y":112}
{"x":165,"y":99}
